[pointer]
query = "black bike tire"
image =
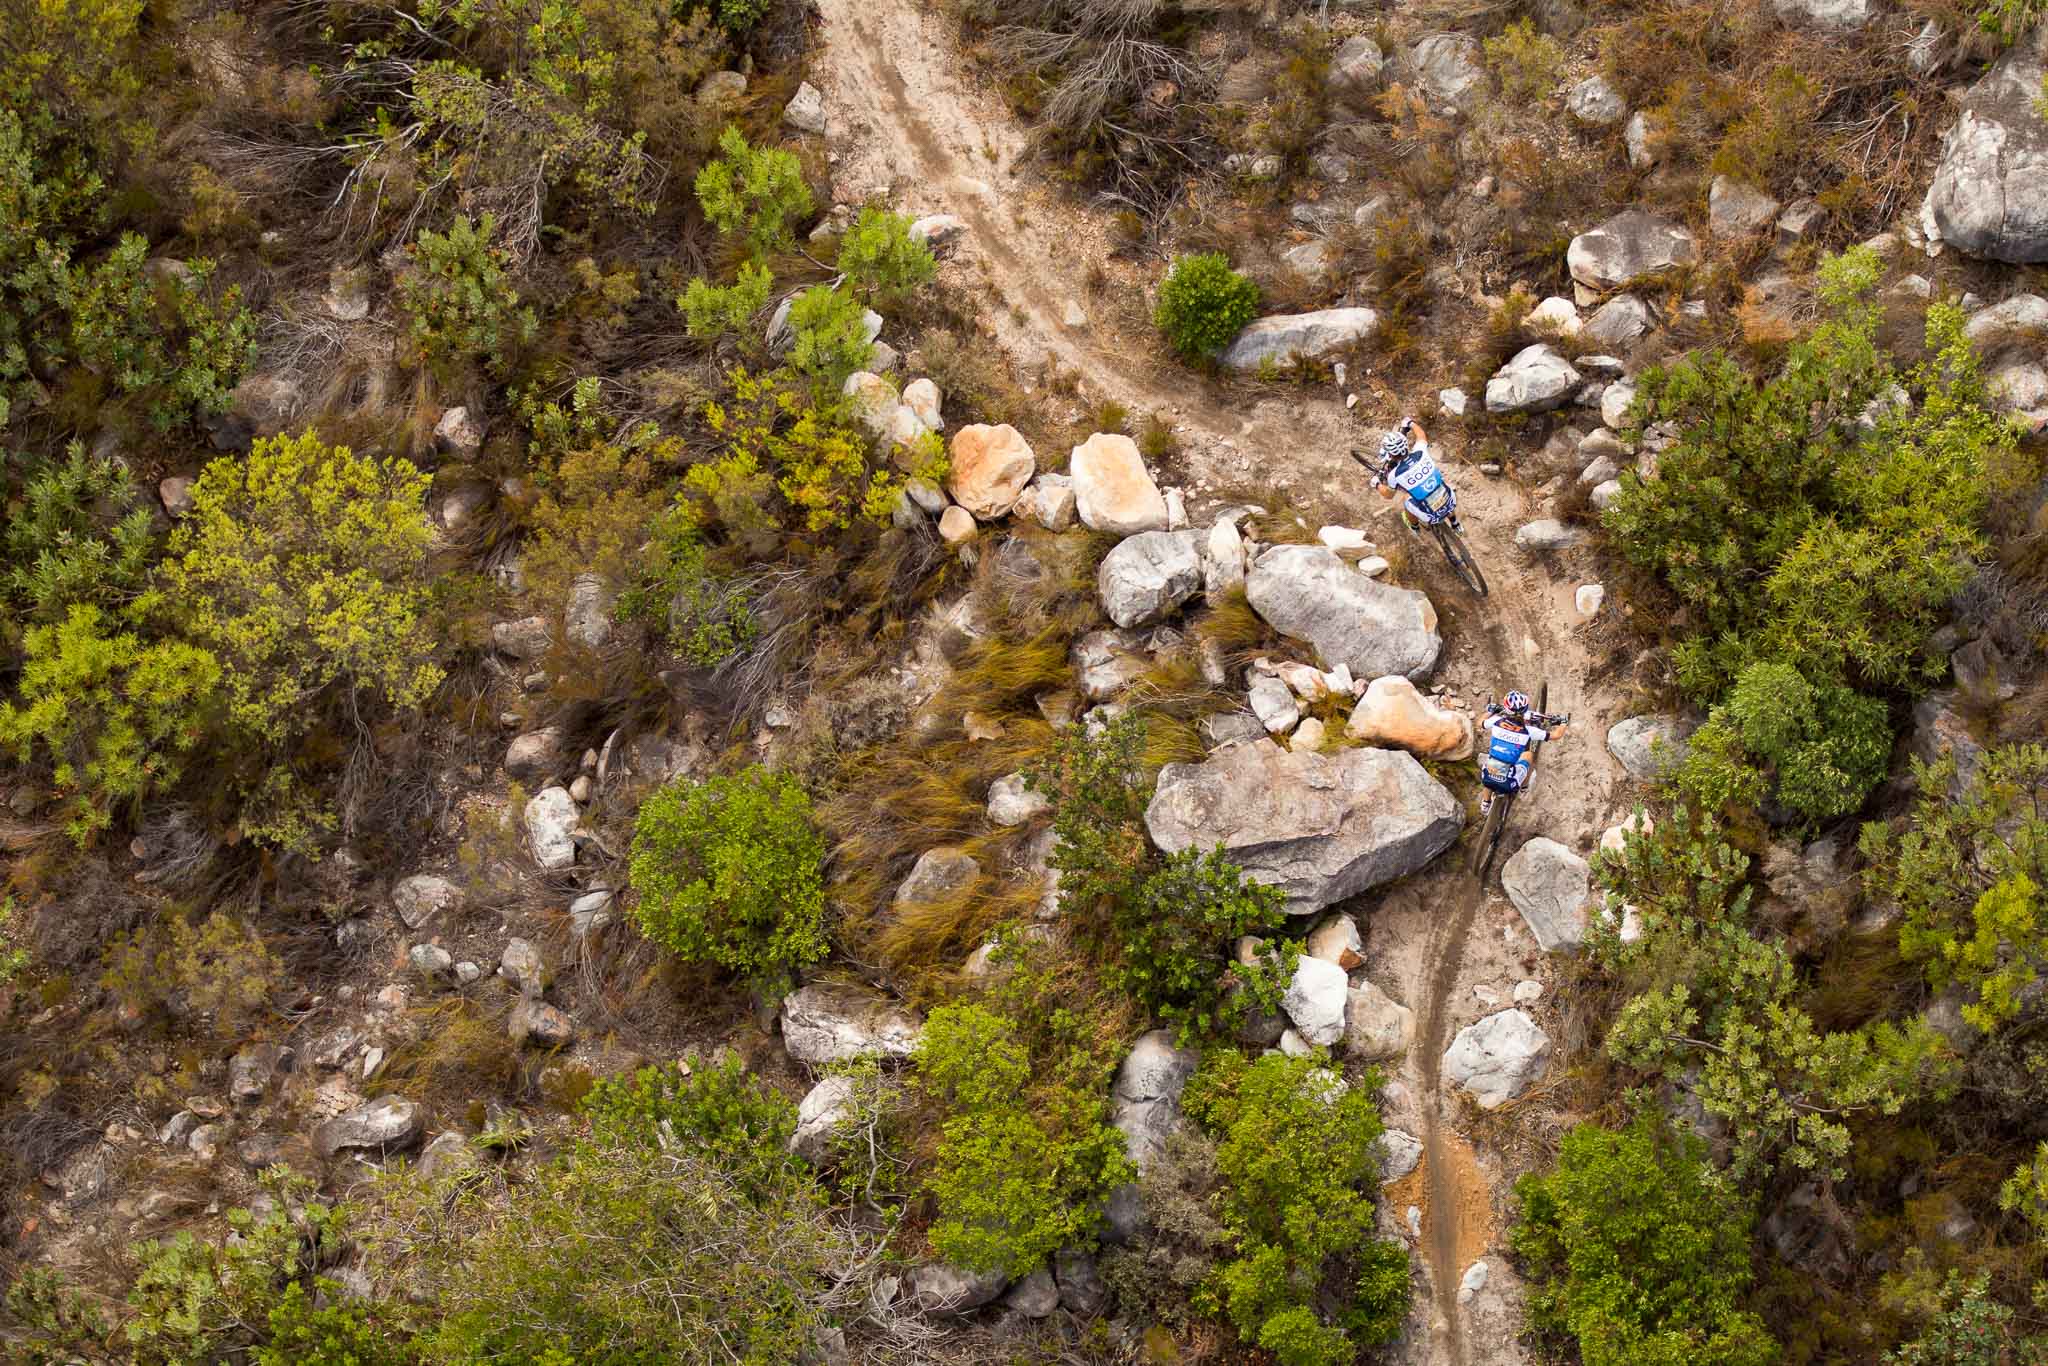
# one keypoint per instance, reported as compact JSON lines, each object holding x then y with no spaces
{"x":1459,"y":559}
{"x":1474,"y":578}
{"x":1489,"y":836}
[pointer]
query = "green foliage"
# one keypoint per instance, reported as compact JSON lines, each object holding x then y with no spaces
{"x":1818,"y":749}
{"x":1966,"y":867}
{"x":303,"y":569}
{"x":2025,"y":1192}
{"x":1973,"y":1330}
{"x":14,"y":959}
{"x":774,"y":438}
{"x":159,"y":335}
{"x":1015,"y":1179}
{"x":757,"y":192}
{"x":707,"y":617}
{"x":1717,"y":1010}
{"x":829,"y":337}
{"x":1174,"y":937}
{"x":1793,"y":531}
{"x":2009,"y":20}
{"x":114,"y":715}
{"x":81,"y":534}
{"x":1527,"y":63}
{"x":460,"y":302}
{"x":1639,"y":1250}
{"x":729,"y":872}
{"x":1294,"y":1154}
{"x":712,"y":311}
{"x":1098,"y":797}
{"x":1204,"y":304}
{"x":629,"y":1253}
{"x":881,"y":259}
{"x":717,"y":1111}
{"x":219,"y":974}
{"x":738,"y":17}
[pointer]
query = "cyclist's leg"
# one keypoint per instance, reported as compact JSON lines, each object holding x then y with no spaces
{"x":1525,"y":773}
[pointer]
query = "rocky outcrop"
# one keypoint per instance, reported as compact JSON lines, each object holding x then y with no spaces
{"x":1319,"y":827}
{"x":1736,"y":208}
{"x":1629,"y":246}
{"x":1145,"y":578}
{"x":1448,"y":68}
{"x":825,"y":1110}
{"x":941,"y":1289}
{"x":990,"y":470}
{"x":1549,"y":885}
{"x":938,"y":874}
{"x":388,"y":1124}
{"x":1647,"y":745}
{"x":1308,"y":592}
{"x":1393,"y":712}
{"x":1535,"y":381}
{"x":1285,"y":338}
{"x":1145,"y":1107}
{"x":1113,"y":491}
{"x":1989,"y":195}
{"x":826,"y":1024}
{"x":1497,"y":1058}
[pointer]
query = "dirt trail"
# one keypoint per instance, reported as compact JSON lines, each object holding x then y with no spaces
{"x":906,"y":123}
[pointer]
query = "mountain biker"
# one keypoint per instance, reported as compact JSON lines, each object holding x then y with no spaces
{"x":1406,"y":464}
{"x":1513,"y":730}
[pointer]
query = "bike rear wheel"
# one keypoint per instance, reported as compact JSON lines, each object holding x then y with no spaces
{"x":1459,"y":556}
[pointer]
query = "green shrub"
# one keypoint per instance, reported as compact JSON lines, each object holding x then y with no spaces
{"x":163,"y":338}
{"x":712,"y":311}
{"x":728,"y":871}
{"x":828,"y":337}
{"x":1204,"y":304}
{"x":459,"y":300}
{"x":1015,"y":1179}
{"x":881,"y":259}
{"x":115,"y":716}
{"x":1972,"y":1330}
{"x":738,"y":17}
{"x":1818,"y":750}
{"x":756,"y":192}
{"x":1965,"y":867}
{"x":303,"y":569}
{"x":707,"y":617}
{"x":716,"y":1110}
{"x":1639,"y":1251}
{"x":1098,"y":797}
{"x":81,"y":534}
{"x":776,"y":438}
{"x":1174,"y":938}
{"x":1296,"y":1180}
{"x":1526,"y":63}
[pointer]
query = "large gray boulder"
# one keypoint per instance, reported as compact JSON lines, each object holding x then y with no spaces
{"x":1647,"y":745}
{"x":387,"y":1124}
{"x":824,"y":1024}
{"x":551,"y":820}
{"x":1448,"y":68}
{"x":1286,"y":338}
{"x":826,"y":1109}
{"x":1145,"y":1107}
{"x":1308,"y":592}
{"x":1549,"y":885}
{"x":1319,"y":827}
{"x":1107,"y":662}
{"x":941,"y":1289}
{"x":1618,"y":322}
{"x":1496,"y":1059}
{"x":2020,"y":321}
{"x":1628,"y":246}
{"x":1535,"y":381}
{"x":1146,"y":578}
{"x":1989,"y":195}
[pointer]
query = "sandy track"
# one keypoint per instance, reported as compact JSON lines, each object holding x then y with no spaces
{"x":907,"y":123}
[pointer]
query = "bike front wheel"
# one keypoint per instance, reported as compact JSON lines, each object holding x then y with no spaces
{"x":1461,"y":560}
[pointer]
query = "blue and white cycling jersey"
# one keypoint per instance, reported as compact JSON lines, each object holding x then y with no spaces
{"x":1418,"y":477}
{"x":1507,"y":750}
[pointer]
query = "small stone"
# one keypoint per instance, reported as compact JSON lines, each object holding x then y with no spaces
{"x":1308,"y":736}
{"x":1589,"y":599}
{"x":458,"y":434}
{"x":521,"y":964}
{"x":1012,"y":802}
{"x":956,"y":525}
{"x":1528,"y":993}
{"x":536,"y":1022}
{"x":430,"y":961}
{"x":805,"y":111}
{"x":176,"y":494}
{"x":1472,"y":1282}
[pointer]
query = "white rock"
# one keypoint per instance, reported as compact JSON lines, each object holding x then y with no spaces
{"x":1528,"y":992}
{"x":1535,"y":381}
{"x":1012,"y":802}
{"x":1315,"y":1001}
{"x":1113,"y":491}
{"x":1145,"y":578}
{"x":551,"y":823}
{"x":1376,"y":1026}
{"x":1589,"y":599}
{"x":825,"y":1110}
{"x":1556,"y":316}
{"x":1614,"y":404}
{"x":1452,"y":401}
{"x":1472,"y":1282}
{"x":1595,"y":103}
{"x":1497,"y":1058}
{"x":1399,"y":1153}
{"x":805,"y":111}
{"x":1549,"y":885}
{"x":1273,"y":703}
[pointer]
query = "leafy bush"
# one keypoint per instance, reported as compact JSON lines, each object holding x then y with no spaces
{"x":829,"y":337}
{"x":711,"y":311}
{"x":881,"y":259}
{"x":1174,"y":939}
{"x":81,"y":534}
{"x":718,"y":1111}
{"x":1965,"y":867}
{"x":1831,"y":546}
{"x":1016,"y":1179}
{"x":114,"y":715}
{"x":460,"y":302}
{"x":1295,"y":1158}
{"x":163,"y":336}
{"x":729,"y":872}
{"x":1715,"y":1010}
{"x":1818,"y":750}
{"x":303,"y":569}
{"x":1639,"y":1251}
{"x":738,"y":17}
{"x":1527,"y":63}
{"x":1204,"y":304}
{"x":706,"y":616}
{"x":1973,"y":1330}
{"x":756,"y":192}
{"x":219,"y":975}
{"x":1098,"y":798}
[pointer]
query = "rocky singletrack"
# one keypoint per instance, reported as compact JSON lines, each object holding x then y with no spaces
{"x":907,"y":123}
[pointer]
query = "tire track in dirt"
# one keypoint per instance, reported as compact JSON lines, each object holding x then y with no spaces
{"x":892,"y":69}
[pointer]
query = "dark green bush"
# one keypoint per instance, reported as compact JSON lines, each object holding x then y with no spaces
{"x":880,"y":257}
{"x":716,"y":1109}
{"x":460,"y":300}
{"x":729,"y":872}
{"x":1204,"y":304}
{"x":1638,"y":1250}
{"x":80,"y":534}
{"x":1173,"y":940}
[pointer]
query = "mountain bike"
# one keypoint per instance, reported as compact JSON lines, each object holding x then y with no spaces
{"x":1496,"y":823}
{"x":1456,"y":553}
